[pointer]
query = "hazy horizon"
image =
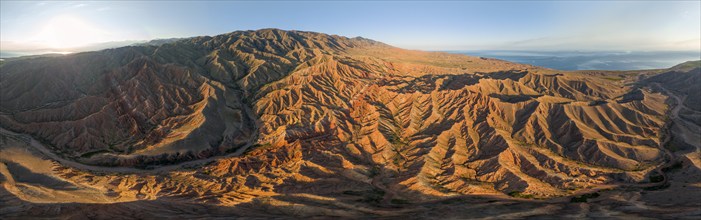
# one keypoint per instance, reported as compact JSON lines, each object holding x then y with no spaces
{"x":555,"y":59}
{"x":543,"y":26}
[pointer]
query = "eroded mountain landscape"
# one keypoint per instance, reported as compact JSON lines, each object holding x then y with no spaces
{"x":274,"y":123}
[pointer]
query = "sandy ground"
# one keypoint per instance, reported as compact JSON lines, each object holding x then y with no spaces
{"x":45,"y":151}
{"x":30,"y":177}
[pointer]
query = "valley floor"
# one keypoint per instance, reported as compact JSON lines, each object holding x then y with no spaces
{"x":33,"y":188}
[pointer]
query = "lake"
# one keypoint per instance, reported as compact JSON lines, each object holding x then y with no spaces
{"x":578,"y":60}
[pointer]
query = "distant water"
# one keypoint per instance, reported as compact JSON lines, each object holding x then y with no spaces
{"x":576,"y":60}
{"x":4,"y":54}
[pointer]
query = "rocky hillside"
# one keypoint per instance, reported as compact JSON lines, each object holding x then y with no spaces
{"x":277,"y":112}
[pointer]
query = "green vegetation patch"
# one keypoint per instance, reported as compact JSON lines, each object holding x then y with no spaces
{"x":253,"y":147}
{"x":374,"y":171}
{"x":399,"y":201}
{"x":518,"y":194}
{"x":656,"y":178}
{"x":90,"y":154}
{"x":584,"y":197}
{"x":373,"y":196}
{"x":689,"y":65}
{"x":353,"y":193}
{"x":676,"y":166}
{"x":613,"y":78}
{"x":453,"y":201}
{"x":654,"y":188}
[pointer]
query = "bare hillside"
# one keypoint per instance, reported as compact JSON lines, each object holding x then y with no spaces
{"x":272,"y":122}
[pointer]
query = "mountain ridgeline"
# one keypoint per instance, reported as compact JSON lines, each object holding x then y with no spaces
{"x":301,"y":112}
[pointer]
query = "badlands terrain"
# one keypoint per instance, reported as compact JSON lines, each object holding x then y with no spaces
{"x":274,"y":123}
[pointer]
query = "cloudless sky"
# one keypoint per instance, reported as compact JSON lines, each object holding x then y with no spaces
{"x":449,"y":25}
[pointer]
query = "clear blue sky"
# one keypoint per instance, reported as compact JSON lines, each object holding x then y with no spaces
{"x":452,"y":25}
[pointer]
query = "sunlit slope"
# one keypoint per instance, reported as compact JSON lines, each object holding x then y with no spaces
{"x":325,"y":115}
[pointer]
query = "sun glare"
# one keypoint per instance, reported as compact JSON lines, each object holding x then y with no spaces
{"x":67,"y":31}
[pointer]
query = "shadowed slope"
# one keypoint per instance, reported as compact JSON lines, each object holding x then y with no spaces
{"x":349,"y":118}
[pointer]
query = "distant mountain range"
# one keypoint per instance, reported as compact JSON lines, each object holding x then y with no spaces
{"x":34,"y":51}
